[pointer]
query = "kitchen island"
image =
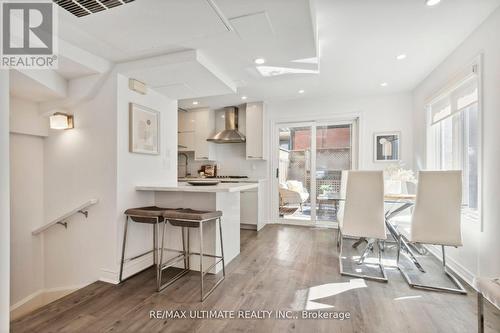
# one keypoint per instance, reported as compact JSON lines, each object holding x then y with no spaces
{"x":224,"y":197}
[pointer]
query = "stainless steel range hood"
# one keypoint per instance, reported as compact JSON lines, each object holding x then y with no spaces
{"x":230,"y":134}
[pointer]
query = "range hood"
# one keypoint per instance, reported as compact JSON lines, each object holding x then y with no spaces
{"x":230,"y":134}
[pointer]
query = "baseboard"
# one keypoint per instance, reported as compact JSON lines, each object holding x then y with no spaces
{"x":130,"y":268}
{"x":453,"y":265}
{"x":247,"y":226}
{"x":40,"y":298}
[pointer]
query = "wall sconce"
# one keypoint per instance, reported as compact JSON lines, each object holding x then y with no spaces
{"x":61,"y":120}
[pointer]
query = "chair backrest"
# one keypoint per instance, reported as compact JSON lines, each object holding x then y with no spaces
{"x":342,"y":194}
{"x":364,"y":206}
{"x":437,"y":213}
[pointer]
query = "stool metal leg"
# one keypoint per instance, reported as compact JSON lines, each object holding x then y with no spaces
{"x":156,"y":236}
{"x":123,"y":248}
{"x":188,"y":250}
{"x":201,"y":260}
{"x":184,"y":248}
{"x":160,"y":264}
{"x":222,"y":249}
{"x":155,"y":253}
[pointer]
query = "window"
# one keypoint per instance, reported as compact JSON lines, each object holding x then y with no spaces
{"x":453,"y":141}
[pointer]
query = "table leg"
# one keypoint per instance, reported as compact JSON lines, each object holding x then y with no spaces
{"x":404,"y":245}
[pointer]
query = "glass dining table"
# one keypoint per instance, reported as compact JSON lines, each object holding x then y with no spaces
{"x":395,"y":205}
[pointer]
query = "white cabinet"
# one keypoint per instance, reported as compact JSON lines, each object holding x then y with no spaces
{"x":255,"y":131}
{"x":186,"y":122}
{"x":204,"y":120}
{"x":194,"y":128}
{"x":249,"y":209}
{"x":186,"y":141}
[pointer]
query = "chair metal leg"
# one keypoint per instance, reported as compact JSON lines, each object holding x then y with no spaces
{"x":338,"y":238}
{"x":366,"y":251}
{"x":480,"y":313}
{"x":123,"y":249}
{"x":363,"y":276}
{"x":458,"y":290}
{"x":398,"y":254}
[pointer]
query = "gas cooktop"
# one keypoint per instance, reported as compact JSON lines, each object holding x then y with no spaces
{"x":229,"y":177}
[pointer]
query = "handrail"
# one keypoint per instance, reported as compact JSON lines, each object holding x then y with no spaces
{"x":82,"y":209}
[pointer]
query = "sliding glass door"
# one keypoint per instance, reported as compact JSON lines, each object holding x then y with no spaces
{"x":311,"y":157}
{"x":294,"y":172}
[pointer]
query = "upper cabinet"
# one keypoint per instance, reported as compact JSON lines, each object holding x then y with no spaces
{"x":195,"y":127}
{"x":256,"y":148}
{"x":186,"y":122}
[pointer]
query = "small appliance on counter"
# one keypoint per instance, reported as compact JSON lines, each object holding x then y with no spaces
{"x":208,"y":170}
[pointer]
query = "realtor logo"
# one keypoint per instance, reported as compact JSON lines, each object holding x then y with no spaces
{"x":28,"y":39}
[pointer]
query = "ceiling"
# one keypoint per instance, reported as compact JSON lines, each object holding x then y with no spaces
{"x":357,"y":42}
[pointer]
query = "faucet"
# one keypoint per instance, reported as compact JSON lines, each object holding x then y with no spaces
{"x":186,"y":165}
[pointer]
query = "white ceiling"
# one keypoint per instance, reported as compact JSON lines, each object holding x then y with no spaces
{"x":357,"y":41}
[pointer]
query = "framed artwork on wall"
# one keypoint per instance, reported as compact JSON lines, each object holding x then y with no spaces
{"x":387,"y":147}
{"x":144,"y":132}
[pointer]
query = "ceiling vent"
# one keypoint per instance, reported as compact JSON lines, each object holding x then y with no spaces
{"x":81,"y":8}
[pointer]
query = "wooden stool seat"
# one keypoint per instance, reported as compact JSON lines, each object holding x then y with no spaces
{"x":148,"y":214}
{"x":189,"y":217}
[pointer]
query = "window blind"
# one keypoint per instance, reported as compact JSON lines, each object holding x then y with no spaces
{"x":455,"y":100}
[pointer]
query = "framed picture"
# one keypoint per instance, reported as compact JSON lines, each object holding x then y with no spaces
{"x":144,"y":131}
{"x":387,"y":147}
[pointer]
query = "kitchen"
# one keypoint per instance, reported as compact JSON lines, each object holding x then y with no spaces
{"x":239,"y":159}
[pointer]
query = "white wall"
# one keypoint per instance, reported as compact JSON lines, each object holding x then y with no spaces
{"x":479,"y":256}
{"x":4,"y":203}
{"x":378,"y":114}
{"x":26,"y":177}
{"x":135,"y":169}
{"x":80,"y":164}
{"x":25,"y":119}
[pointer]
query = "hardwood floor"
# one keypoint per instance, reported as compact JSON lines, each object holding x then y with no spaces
{"x":280,"y":268}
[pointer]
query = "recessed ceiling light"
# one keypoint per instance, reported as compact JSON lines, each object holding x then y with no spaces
{"x":259,"y":61}
{"x":431,"y":3}
{"x":268,"y":71}
{"x":243,"y":97}
{"x":384,"y":84}
{"x":301,"y":91}
{"x":401,"y":56}
{"x":195,"y":102}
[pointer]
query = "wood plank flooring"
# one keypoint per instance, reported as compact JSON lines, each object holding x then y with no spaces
{"x":280,"y":268}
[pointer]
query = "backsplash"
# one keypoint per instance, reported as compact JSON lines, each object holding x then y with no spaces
{"x":231,"y":160}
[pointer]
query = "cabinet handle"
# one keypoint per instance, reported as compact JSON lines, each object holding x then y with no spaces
{"x":254,"y":156}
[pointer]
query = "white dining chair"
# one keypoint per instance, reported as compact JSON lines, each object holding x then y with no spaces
{"x":435,"y":219}
{"x":362,"y":215}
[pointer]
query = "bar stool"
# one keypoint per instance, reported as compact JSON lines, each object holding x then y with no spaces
{"x":150,"y":215}
{"x":189,"y":219}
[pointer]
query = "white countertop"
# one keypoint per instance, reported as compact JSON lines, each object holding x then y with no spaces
{"x":238,"y":180}
{"x":185,"y":187}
